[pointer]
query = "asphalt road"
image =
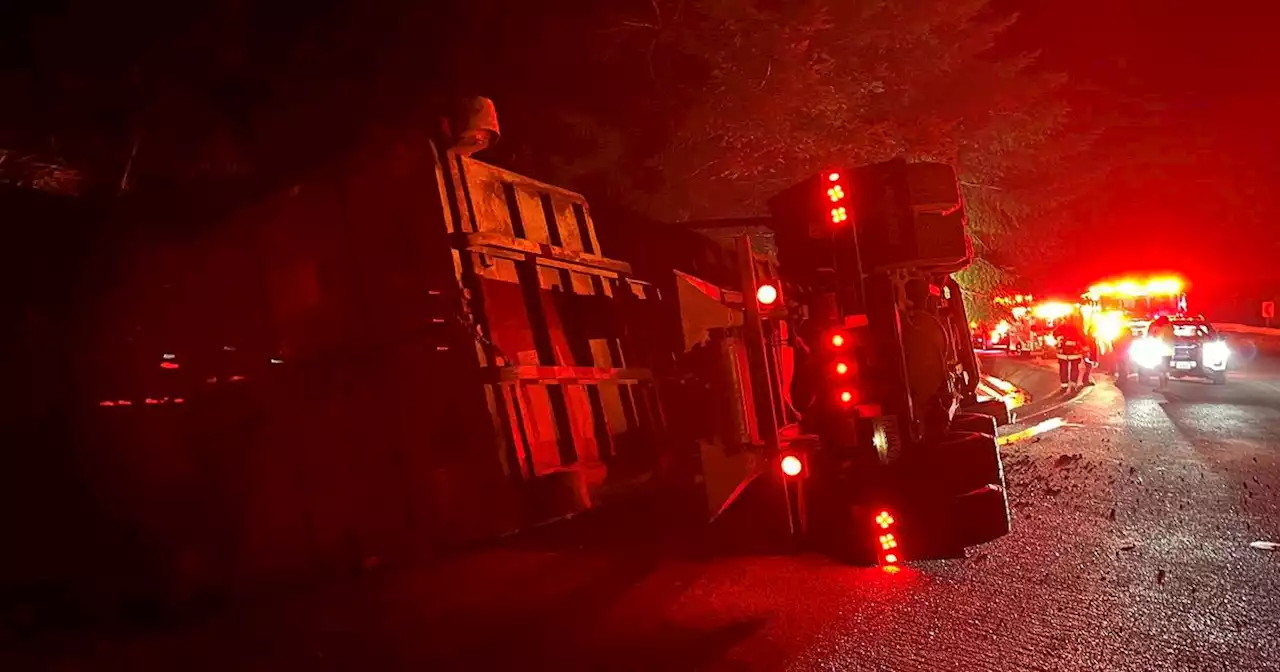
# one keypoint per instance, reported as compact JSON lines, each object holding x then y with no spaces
{"x":1131,"y":551}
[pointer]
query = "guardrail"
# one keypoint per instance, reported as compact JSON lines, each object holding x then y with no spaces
{"x":1250,"y":341}
{"x":1229,"y":328}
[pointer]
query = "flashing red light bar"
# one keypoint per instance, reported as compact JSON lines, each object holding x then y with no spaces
{"x":837,"y":340}
{"x":791,"y":465}
{"x":833,"y":177}
{"x":841,"y":368}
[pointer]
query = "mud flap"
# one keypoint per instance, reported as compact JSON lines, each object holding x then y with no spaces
{"x":726,"y":473}
{"x":982,"y":515}
{"x":977,"y":423}
{"x":995,"y":408}
{"x":964,"y":462}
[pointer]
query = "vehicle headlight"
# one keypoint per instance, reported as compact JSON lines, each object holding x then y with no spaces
{"x":1215,"y":353}
{"x":1149,"y":352}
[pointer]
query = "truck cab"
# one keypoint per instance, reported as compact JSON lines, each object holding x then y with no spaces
{"x":893,"y":440}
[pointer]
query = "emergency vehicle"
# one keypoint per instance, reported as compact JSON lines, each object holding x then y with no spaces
{"x":1047,"y":314}
{"x":1022,"y":333}
{"x":1189,"y":348}
{"x":1131,"y":303}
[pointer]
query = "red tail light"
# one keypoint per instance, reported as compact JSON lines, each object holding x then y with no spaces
{"x":837,"y":340}
{"x":834,"y":177}
{"x":846,"y":397}
{"x":842,"y":368}
{"x":791,"y":465}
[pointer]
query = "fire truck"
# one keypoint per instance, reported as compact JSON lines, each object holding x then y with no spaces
{"x":1021,"y":333}
{"x":1047,"y":314}
{"x":1131,"y":304}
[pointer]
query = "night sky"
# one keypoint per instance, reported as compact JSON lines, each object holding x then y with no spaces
{"x":1203,"y":76}
{"x":1196,"y":82}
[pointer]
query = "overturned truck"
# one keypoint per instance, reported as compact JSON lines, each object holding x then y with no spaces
{"x":400,"y":353}
{"x":884,"y":452}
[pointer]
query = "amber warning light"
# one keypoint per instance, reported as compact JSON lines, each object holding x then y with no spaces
{"x":888,"y":541}
{"x":836,"y":197}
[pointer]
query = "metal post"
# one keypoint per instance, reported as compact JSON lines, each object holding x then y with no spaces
{"x":757,"y":358}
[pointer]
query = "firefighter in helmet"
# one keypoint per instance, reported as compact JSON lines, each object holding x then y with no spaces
{"x":1072,"y":348}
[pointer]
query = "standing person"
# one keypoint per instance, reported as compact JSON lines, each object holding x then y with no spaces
{"x":1090,"y":361}
{"x":1162,"y":330}
{"x":1120,"y":350}
{"x":1070,"y":337}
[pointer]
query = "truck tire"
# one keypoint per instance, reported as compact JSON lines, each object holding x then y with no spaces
{"x":967,"y":461}
{"x":977,"y":423}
